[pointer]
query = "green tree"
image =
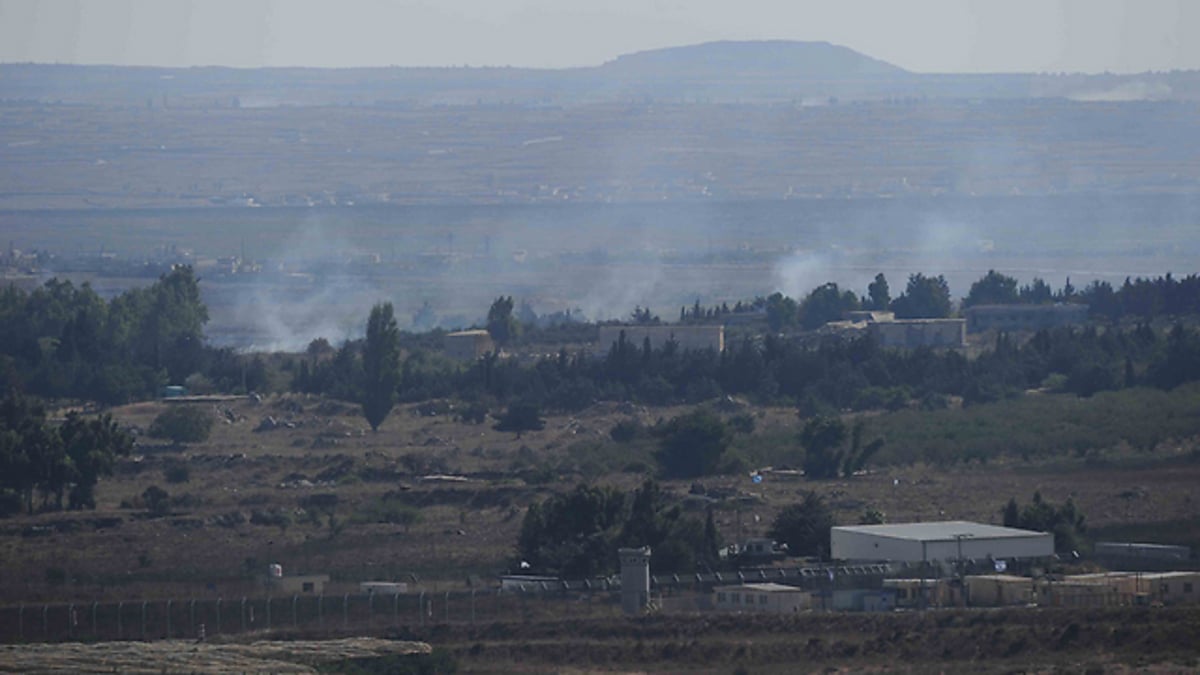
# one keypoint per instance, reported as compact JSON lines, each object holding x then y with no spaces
{"x":501,"y":324}
{"x":804,"y":527}
{"x":923,"y":298}
{"x":993,"y":289}
{"x":92,"y":447}
{"x":157,"y":500}
{"x":691,"y":445}
{"x":781,"y":312}
{"x":824,"y":304}
{"x":520,"y":417}
{"x":879,"y":294}
{"x":826,"y":454}
{"x":182,"y":424}
{"x":573,"y":534}
{"x":381,"y":365}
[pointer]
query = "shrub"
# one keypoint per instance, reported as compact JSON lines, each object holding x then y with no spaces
{"x":177,"y":473}
{"x":182,"y":424}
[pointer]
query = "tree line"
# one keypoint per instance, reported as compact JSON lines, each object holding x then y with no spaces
{"x":834,"y":375}
{"x":65,"y":341}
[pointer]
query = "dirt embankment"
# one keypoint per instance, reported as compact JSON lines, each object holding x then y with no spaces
{"x":177,"y":656}
{"x":936,"y":641}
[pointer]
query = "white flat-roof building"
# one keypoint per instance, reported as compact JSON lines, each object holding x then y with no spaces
{"x":938,"y":541}
{"x":761,"y":597}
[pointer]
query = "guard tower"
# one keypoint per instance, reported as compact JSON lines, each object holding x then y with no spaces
{"x":635,"y":579}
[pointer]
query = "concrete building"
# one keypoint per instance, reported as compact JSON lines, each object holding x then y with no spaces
{"x":913,"y":333}
{"x":635,"y":579}
{"x":687,"y":337}
{"x":946,"y":541}
{"x":1023,"y":317}
{"x":762,"y":597}
{"x":468,"y":345}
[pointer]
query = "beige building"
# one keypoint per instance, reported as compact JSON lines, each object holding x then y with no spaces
{"x":913,"y":333}
{"x":999,"y":590}
{"x":764,"y":597}
{"x":687,"y":337}
{"x":468,"y":345}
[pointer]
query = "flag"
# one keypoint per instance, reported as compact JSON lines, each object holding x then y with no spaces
{"x":1000,"y":565}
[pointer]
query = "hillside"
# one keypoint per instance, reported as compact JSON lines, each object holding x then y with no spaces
{"x":779,"y":59}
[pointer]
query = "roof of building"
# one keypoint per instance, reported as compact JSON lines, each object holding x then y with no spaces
{"x":474,"y":333}
{"x":948,"y":530}
{"x":764,"y":587}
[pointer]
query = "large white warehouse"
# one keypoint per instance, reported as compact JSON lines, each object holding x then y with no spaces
{"x":948,"y":540}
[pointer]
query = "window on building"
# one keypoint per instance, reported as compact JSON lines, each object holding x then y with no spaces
{"x":735,"y":598}
{"x":762,"y":599}
{"x":307,"y":587}
{"x":1187,"y":587}
{"x":720,"y":597}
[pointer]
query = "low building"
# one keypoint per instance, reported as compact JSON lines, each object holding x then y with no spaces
{"x":938,"y":541}
{"x":913,"y":333}
{"x":688,"y":337}
{"x":868,"y":316}
{"x":936,"y":592}
{"x":468,"y":345}
{"x":1123,"y":588}
{"x":1023,"y":317}
{"x":383,"y":587}
{"x":1135,"y":556}
{"x":762,"y":597}
{"x":300,"y":584}
{"x":999,"y":590}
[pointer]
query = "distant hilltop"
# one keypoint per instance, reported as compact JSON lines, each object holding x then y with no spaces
{"x":774,"y":71}
{"x":772,"y":58}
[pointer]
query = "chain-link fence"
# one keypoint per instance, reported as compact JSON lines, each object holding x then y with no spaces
{"x":198,"y":619}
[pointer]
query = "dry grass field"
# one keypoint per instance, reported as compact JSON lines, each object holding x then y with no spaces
{"x":243,"y":504}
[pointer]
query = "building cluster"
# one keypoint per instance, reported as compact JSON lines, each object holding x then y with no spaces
{"x":922,"y":565}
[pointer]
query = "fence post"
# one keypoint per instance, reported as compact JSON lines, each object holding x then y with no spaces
{"x":218,"y":632}
{"x":95,"y":626}
{"x":71,"y":620}
{"x":320,"y":616}
{"x":295,"y":616}
{"x":268,"y":612}
{"x":446,"y":608}
{"x":170,"y":603}
{"x":144,"y":603}
{"x":243,"y":612}
{"x":45,"y":622}
{"x":346,"y":611}
{"x":120,"y":608}
{"x":21,"y":623}
{"x":421,"y":607}
{"x":395,"y":609}
{"x":472,"y":605}
{"x":192,"y":616}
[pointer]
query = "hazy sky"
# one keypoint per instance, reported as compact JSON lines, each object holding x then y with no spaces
{"x":921,"y":35}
